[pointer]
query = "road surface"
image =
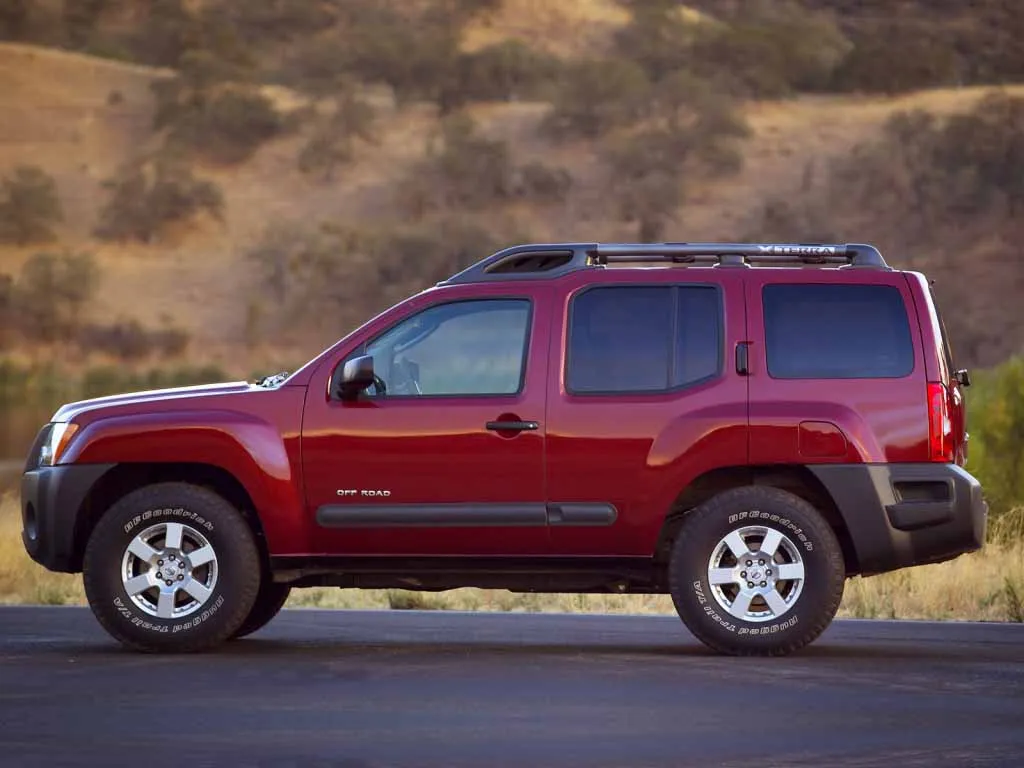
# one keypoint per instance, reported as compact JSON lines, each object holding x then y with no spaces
{"x":373,"y":689}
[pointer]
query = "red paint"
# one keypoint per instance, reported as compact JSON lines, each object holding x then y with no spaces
{"x":293,"y":448}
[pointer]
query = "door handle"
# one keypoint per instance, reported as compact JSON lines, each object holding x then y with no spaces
{"x":512,"y":426}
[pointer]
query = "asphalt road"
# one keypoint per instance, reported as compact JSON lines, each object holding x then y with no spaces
{"x":361,"y":689}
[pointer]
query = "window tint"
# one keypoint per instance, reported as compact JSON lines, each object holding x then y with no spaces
{"x":462,"y":348}
{"x":836,"y":332}
{"x":643,"y":338}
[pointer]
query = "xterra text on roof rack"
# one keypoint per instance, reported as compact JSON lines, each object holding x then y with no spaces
{"x":740,"y":438}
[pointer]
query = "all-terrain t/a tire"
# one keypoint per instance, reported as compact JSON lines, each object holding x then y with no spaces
{"x":171,"y":567}
{"x":756,"y":571}
{"x":269,"y":602}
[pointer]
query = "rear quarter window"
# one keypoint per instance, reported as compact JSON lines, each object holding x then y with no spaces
{"x":815,"y":331}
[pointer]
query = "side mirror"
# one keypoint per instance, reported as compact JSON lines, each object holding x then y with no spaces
{"x":963,"y":377}
{"x":356,"y":376}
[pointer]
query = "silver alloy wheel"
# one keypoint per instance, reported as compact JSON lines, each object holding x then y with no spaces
{"x":169,"y":570}
{"x":756,"y":573}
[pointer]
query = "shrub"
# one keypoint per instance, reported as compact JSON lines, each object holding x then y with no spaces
{"x":895,"y":56}
{"x":129,"y":340}
{"x":148,"y":196}
{"x":996,"y":405}
{"x":543,"y":183}
{"x":595,"y":95}
{"x":506,"y":71}
{"x":50,"y":293}
{"x":209,"y":111}
{"x":657,"y":37}
{"x":229,"y":127}
{"x":332,"y":142}
{"x":648,"y":169}
{"x":29,"y":206}
{"x":463,"y":169}
{"x":771,"y":49}
{"x":167,"y":31}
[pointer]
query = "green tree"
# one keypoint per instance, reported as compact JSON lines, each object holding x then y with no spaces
{"x":29,"y":206}
{"x":996,"y":416}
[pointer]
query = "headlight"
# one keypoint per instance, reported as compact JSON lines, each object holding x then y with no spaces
{"x":56,"y":442}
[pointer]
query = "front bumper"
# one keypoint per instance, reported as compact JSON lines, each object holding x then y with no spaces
{"x":52,"y":505}
{"x":900,"y":515}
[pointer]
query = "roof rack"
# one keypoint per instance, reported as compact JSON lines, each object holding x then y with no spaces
{"x":547,"y":260}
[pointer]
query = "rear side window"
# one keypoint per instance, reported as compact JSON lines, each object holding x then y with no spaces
{"x":836,"y":332}
{"x":643,"y":338}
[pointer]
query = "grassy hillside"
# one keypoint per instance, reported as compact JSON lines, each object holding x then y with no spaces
{"x":81,"y":118}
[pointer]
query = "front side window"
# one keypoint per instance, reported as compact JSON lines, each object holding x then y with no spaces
{"x":815,"y":331}
{"x":463,"y":348}
{"x":643,"y":338}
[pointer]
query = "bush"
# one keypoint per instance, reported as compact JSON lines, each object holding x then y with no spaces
{"x":149,"y":196}
{"x":50,"y":293}
{"x":332,"y":142}
{"x":596,"y":95}
{"x":330,"y":278}
{"x":209,"y":111}
{"x":129,"y":340}
{"x":29,"y":206}
{"x":506,"y":71}
{"x":657,"y":37}
{"x":464,"y":169}
{"x":996,"y":456}
{"x":167,"y":31}
{"x":893,"y":57}
{"x":228,"y":128}
{"x":771,"y":50}
{"x":540,"y":182}
{"x":648,"y":169}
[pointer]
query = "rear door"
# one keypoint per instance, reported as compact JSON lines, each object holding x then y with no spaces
{"x":837,"y":370}
{"x":643,"y":396}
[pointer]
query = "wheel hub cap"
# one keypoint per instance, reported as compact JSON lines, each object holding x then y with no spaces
{"x":169,"y":570}
{"x":756,"y":573}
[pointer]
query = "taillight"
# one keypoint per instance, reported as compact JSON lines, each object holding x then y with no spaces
{"x":940,"y":428}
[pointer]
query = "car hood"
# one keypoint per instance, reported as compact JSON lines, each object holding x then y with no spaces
{"x":72,"y":410}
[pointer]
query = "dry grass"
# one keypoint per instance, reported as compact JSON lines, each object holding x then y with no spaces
{"x":986,"y":586}
{"x":55,"y":113}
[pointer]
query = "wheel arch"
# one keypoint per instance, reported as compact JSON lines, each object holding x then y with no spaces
{"x":793,"y":478}
{"x":125,"y":478}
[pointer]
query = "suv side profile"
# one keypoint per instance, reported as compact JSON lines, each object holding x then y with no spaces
{"x":741,"y":426}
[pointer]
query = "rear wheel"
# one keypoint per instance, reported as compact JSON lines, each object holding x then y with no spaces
{"x":171,"y":567}
{"x":756,"y":571}
{"x":269,"y":602}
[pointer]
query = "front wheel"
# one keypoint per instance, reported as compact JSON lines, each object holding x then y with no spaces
{"x":756,"y":571}
{"x":171,"y":567}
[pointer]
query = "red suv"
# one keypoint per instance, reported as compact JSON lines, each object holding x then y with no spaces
{"x":739,"y":426}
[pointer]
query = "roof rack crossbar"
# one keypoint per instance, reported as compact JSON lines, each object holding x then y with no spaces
{"x":539,"y":261}
{"x":854,"y":254}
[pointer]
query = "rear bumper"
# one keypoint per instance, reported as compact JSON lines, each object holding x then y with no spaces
{"x":906,"y":514}
{"x":52,"y":501}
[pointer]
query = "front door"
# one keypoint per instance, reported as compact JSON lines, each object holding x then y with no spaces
{"x":449,"y":458}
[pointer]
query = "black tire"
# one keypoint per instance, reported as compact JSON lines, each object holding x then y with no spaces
{"x":232,"y":577}
{"x":269,"y":602}
{"x":808,"y":539}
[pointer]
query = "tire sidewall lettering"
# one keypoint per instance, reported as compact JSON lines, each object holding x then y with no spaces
{"x":154,"y":515}
{"x":143,"y":621}
{"x":700,"y":587}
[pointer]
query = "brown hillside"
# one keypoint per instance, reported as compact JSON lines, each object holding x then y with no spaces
{"x":56,"y":111}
